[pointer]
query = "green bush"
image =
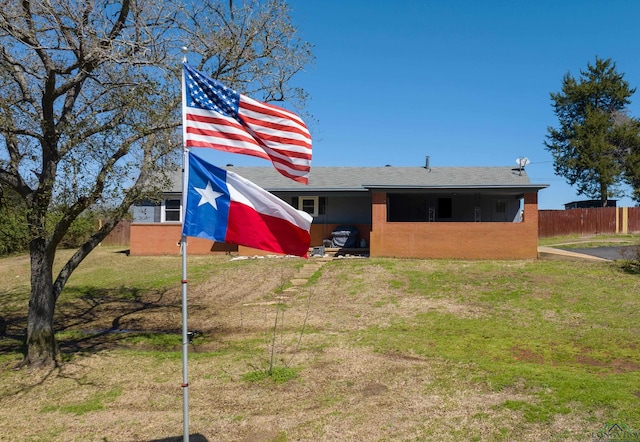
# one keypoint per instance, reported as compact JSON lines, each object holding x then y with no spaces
{"x":80,"y":230}
{"x":14,"y":232}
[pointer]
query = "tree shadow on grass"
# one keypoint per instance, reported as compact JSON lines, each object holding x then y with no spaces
{"x":90,"y":320}
{"x":13,"y":321}
{"x":101,"y":319}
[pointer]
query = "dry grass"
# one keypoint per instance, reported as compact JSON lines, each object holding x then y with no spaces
{"x":113,"y":388}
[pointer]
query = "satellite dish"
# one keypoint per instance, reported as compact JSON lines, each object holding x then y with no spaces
{"x":522,"y":162}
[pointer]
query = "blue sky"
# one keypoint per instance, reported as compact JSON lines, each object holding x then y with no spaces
{"x":464,"y":82}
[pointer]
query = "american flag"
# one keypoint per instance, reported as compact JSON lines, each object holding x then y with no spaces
{"x":217,"y":117}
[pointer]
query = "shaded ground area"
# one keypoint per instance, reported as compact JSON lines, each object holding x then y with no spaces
{"x":610,"y":252}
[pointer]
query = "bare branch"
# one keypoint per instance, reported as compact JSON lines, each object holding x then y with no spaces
{"x":90,"y":102}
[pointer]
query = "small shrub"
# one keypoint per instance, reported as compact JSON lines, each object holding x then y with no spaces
{"x":631,"y":261}
{"x":278,"y":375}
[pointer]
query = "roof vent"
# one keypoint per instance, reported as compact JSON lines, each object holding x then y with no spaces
{"x":426,"y":163}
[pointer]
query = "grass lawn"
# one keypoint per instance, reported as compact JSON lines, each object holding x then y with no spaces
{"x":368,"y":349}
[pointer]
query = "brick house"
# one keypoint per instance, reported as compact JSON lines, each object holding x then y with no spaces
{"x":410,"y":212}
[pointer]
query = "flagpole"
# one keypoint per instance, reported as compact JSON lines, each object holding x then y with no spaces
{"x":185,"y":344}
{"x":183,"y":250}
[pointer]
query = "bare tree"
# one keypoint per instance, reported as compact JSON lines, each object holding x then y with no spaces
{"x":90,"y":109}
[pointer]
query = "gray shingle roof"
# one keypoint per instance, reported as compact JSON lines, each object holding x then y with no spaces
{"x":362,"y":178}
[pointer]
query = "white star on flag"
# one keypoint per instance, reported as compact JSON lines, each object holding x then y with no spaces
{"x":208,"y":195}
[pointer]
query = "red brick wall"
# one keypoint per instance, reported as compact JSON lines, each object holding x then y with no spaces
{"x":162,"y":239}
{"x":455,"y":240}
{"x":406,"y":240}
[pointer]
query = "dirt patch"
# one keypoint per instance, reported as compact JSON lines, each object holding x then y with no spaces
{"x":613,"y":366}
{"x":617,"y":365}
{"x":374,"y":389}
{"x":526,"y":355}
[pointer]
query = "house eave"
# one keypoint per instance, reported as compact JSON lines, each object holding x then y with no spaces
{"x":368,"y":187}
{"x":515,"y":188}
{"x":302,"y":190}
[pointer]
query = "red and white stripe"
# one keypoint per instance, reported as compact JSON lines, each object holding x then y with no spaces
{"x":266,"y":131}
{"x":263,"y":221}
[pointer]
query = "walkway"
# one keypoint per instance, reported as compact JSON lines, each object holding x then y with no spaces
{"x":553,"y":253}
{"x":626,"y":250}
{"x":307,"y":271}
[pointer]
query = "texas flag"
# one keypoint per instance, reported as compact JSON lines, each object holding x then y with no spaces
{"x":224,"y":207}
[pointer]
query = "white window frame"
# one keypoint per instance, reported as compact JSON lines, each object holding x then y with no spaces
{"x":316,"y":204}
{"x":163,"y":216}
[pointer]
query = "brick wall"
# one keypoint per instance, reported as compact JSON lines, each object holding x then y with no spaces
{"x":468,"y":240}
{"x":163,"y":239}
{"x":486,"y":240}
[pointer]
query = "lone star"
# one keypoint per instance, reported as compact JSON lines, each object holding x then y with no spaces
{"x":208,"y":195}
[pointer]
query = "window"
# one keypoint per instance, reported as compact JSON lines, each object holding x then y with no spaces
{"x":309,"y":205}
{"x":408,"y":208}
{"x":313,"y":205}
{"x":171,"y":210}
{"x":500,"y":211}
{"x":445,"y":207}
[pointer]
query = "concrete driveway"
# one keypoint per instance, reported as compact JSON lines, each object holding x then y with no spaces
{"x":610,"y":253}
{"x":607,"y":253}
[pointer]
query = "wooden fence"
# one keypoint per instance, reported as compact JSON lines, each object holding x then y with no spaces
{"x":119,"y":236}
{"x":605,"y":220}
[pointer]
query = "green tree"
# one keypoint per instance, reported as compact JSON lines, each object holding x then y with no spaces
{"x":90,"y":110}
{"x":588,"y":146}
{"x":14,"y":234}
{"x":627,"y":136}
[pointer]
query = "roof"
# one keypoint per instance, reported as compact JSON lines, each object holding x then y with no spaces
{"x":327,"y":179}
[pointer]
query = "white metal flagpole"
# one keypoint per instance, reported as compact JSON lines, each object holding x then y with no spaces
{"x":183,"y":250}
{"x":185,"y":343}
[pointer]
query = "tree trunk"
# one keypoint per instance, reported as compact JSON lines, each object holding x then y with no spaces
{"x":42,"y":349}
